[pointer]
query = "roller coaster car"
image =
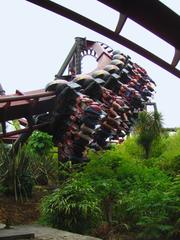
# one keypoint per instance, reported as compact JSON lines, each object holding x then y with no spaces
{"x":86,"y":109}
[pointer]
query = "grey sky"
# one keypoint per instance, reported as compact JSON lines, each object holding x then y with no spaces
{"x":34,"y":43}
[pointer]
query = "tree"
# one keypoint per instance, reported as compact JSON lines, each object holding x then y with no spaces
{"x":148,"y":129}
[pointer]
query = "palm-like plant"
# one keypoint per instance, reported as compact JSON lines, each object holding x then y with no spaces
{"x":4,"y":162}
{"x":15,"y":175}
{"x":148,"y":129}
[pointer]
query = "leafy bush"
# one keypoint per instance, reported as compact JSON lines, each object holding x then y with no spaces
{"x":32,"y":163}
{"x":159,"y":146}
{"x":44,"y":162}
{"x":131,"y":149}
{"x":40,"y":143}
{"x":169,"y":160}
{"x":15,"y":174}
{"x":149,"y":213}
{"x":73,"y":207}
{"x":129,"y":193}
{"x":145,"y":199}
{"x":44,"y":169}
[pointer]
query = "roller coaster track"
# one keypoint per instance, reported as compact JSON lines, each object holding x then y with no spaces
{"x":151,"y":14}
{"x":160,"y":20}
{"x":23,"y":106}
{"x":81,"y":110}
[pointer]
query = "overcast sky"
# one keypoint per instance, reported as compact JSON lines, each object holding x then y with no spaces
{"x":34,"y":43}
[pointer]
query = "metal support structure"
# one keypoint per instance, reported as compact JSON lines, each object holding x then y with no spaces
{"x":73,"y":59}
{"x":152,"y":15}
{"x":66,"y":62}
{"x":152,"y":104}
{"x":3,"y":124}
{"x":81,"y":48}
{"x":176,"y":58}
{"x":25,"y":105}
{"x":32,"y":105}
{"x":65,"y":12}
{"x":24,"y":130}
{"x":121,"y":22}
{"x":79,"y":45}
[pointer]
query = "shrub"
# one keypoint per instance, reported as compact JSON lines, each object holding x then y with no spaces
{"x":131,"y":149}
{"x":143,"y":199}
{"x":44,"y":169}
{"x":44,"y":161}
{"x":118,"y":187}
{"x":73,"y":207}
{"x":40,"y":143}
{"x":169,"y":160}
{"x":15,"y":174}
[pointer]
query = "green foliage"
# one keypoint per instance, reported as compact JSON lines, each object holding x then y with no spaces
{"x":15,"y":174}
{"x":152,"y":214}
{"x":131,"y":148}
{"x":101,"y":172}
{"x":67,"y":170}
{"x":33,"y":163}
{"x":159,"y":146}
{"x":132,"y":195}
{"x":2,"y":189}
{"x":119,"y":186}
{"x":40,"y":143}
{"x":73,"y":207}
{"x":44,"y":164}
{"x":4,"y":161}
{"x":148,"y":129}
{"x":16,"y":124}
{"x":144,"y":199}
{"x":169,"y":160}
{"x":44,"y":169}
{"x":141,"y":197}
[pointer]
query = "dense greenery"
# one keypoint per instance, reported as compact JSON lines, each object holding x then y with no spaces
{"x":126,"y":190}
{"x":33,"y":164}
{"x":44,"y":164}
{"x":74,"y":206}
{"x":40,"y":143}
{"x":148,"y":129}
{"x":15,"y":174}
{"x":121,"y":188}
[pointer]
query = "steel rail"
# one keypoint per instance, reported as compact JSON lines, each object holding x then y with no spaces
{"x":152,"y":15}
{"x":6,"y":99}
{"x":65,"y":12}
{"x":23,"y":130}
